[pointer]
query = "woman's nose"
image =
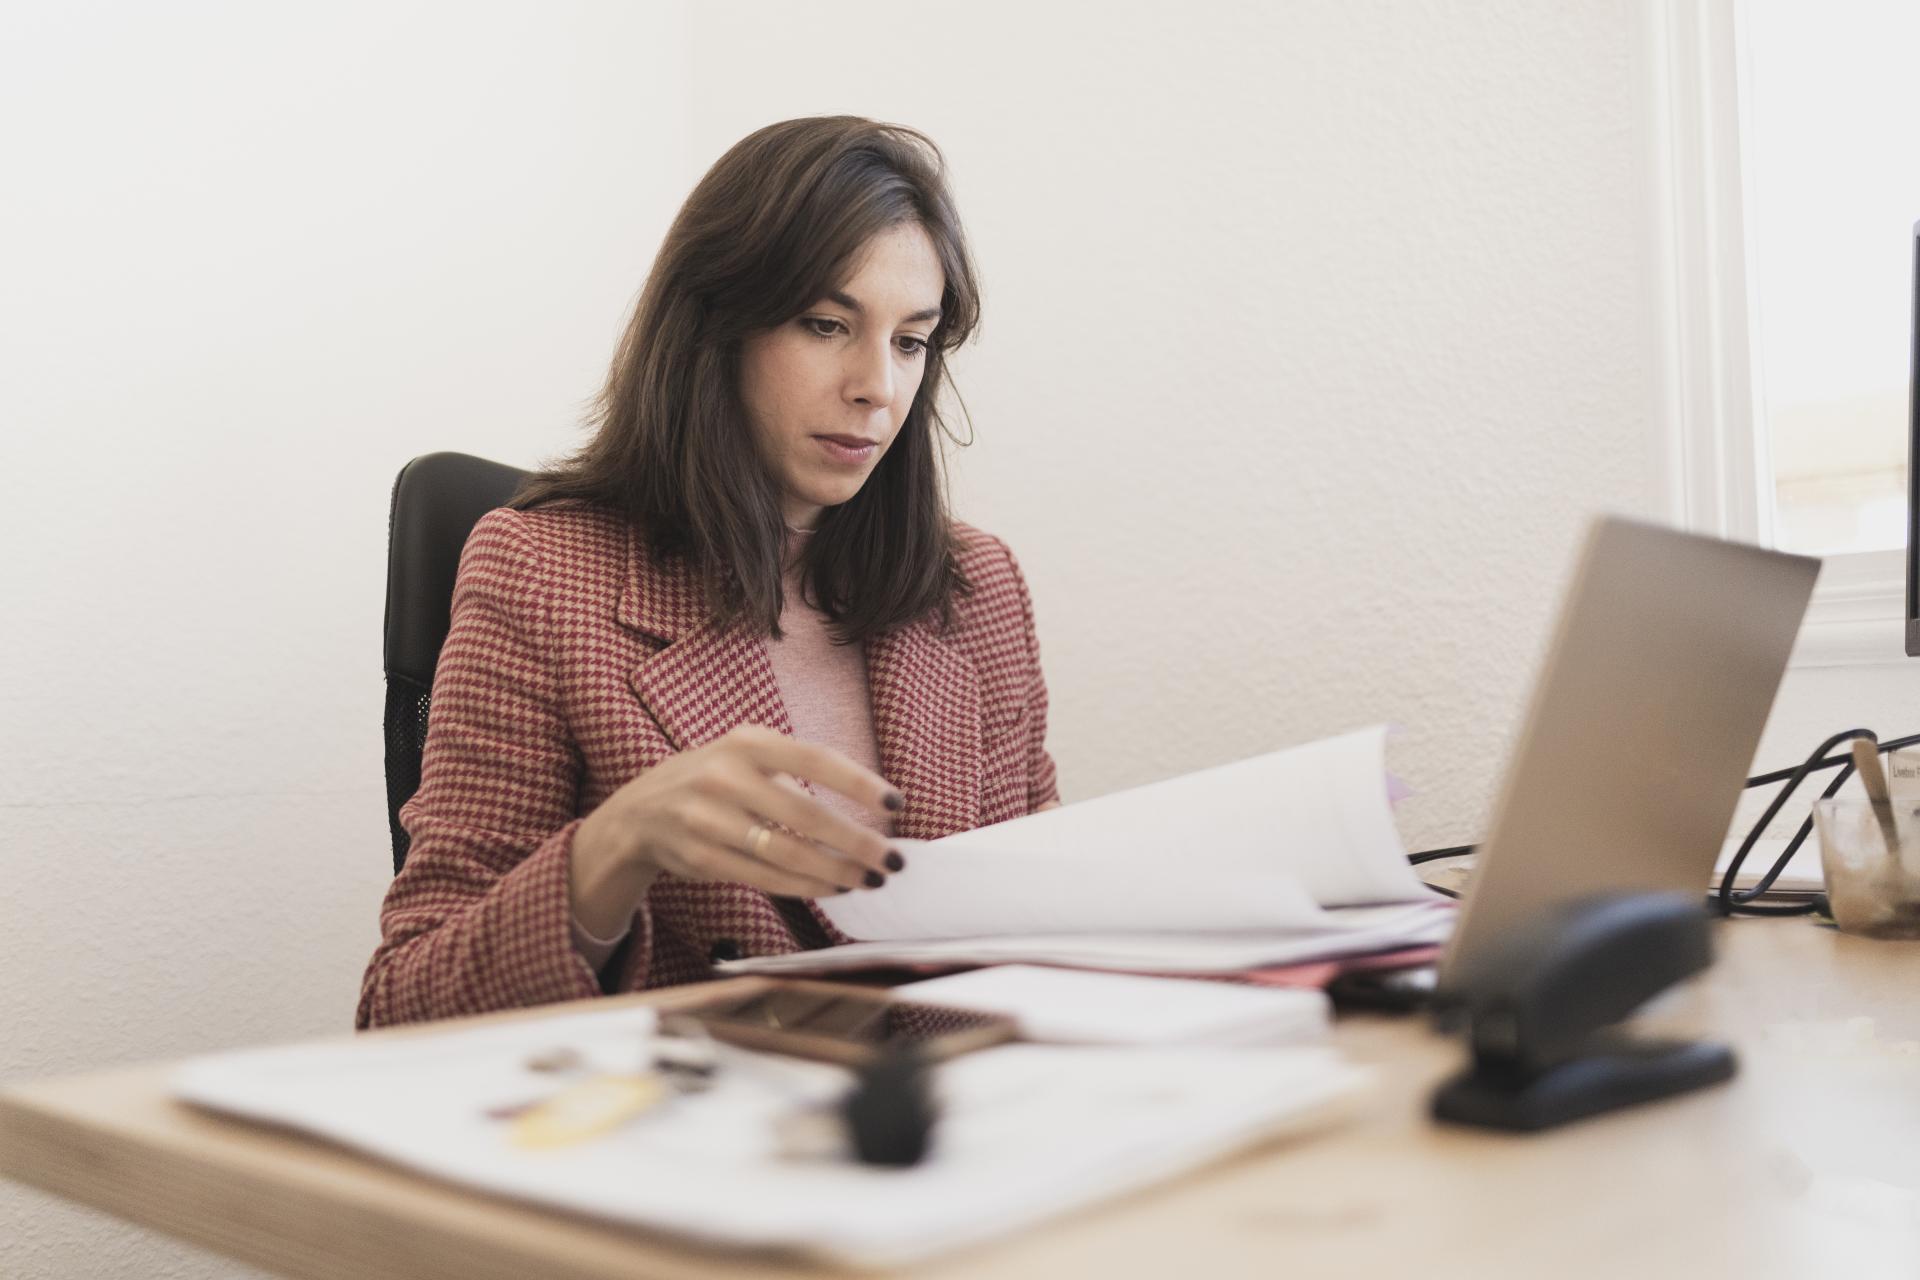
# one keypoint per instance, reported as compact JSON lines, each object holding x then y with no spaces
{"x":869,"y":376}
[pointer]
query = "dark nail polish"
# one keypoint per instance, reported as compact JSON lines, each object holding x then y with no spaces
{"x":895,"y":862}
{"x":875,"y":879}
{"x":894,"y":801}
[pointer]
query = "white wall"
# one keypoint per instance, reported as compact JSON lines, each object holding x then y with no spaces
{"x":254,"y":258}
{"x":1314,"y":332}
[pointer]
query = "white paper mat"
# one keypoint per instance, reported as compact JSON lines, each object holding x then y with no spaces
{"x":1029,"y":1131}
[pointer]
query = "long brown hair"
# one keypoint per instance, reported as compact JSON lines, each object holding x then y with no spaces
{"x":768,"y":232}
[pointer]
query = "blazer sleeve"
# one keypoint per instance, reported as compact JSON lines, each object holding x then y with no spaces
{"x":1043,"y":785}
{"x":480,"y":917}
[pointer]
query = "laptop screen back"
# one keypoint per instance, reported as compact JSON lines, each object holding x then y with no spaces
{"x":1643,"y":721}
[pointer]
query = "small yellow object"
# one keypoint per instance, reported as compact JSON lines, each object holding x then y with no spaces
{"x":587,"y":1110}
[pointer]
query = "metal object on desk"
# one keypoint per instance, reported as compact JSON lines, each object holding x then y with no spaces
{"x":1539,"y":1018}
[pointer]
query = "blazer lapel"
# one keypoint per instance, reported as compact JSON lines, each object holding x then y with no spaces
{"x":707,"y":679}
{"x":926,"y":715}
{"x":708,"y":682}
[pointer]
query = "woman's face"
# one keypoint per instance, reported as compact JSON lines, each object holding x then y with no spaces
{"x":826,"y":392}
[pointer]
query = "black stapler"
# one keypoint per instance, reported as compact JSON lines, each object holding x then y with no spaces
{"x":1539,"y":1017}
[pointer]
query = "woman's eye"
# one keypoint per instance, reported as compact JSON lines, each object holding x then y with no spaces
{"x":828,"y":327}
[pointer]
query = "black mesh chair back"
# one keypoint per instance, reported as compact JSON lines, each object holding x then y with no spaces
{"x":437,"y":499}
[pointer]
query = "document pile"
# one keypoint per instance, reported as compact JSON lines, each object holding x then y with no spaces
{"x":1281,"y":859}
{"x":1026,"y":1131}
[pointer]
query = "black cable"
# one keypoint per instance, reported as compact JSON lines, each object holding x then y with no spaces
{"x":1781,"y":774}
{"x":1434,"y":855}
{"x":1726,"y":900}
{"x":1742,"y":903}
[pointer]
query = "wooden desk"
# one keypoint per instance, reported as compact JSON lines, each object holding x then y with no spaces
{"x":1807,"y":1164}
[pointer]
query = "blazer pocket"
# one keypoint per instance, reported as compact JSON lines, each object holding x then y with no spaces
{"x":1001,"y":722}
{"x":1001,"y":733}
{"x":1004,"y":769}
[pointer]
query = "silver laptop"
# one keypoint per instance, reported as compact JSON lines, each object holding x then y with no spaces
{"x":1643,"y":722}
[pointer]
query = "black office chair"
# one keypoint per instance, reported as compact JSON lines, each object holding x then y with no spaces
{"x":437,"y":499}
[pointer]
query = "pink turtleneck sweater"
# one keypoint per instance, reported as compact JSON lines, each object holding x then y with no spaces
{"x":824,"y":688}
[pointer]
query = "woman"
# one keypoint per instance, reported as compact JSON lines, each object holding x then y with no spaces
{"x":698,"y":675}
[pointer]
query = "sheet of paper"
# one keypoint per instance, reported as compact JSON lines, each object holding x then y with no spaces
{"x":1257,"y":844}
{"x":1351,"y":931}
{"x":1802,"y":875}
{"x":1027,"y":1131}
{"x":1070,"y":1006}
{"x":949,"y":891}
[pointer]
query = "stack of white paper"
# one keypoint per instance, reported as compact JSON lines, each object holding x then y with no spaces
{"x":1027,"y":1131}
{"x":1347,"y":931}
{"x":1281,"y":859}
{"x":1070,"y":1006}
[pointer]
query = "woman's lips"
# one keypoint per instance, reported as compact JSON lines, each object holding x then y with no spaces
{"x":847,"y":450}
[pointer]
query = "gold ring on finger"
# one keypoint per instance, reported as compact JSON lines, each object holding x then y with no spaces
{"x":759,"y":836}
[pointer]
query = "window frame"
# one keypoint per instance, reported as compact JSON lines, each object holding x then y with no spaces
{"x":1715,"y":464}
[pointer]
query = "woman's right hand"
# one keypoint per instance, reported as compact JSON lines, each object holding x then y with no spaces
{"x":711,"y":814}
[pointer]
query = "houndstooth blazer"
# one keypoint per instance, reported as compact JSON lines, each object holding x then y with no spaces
{"x":574,"y":661}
